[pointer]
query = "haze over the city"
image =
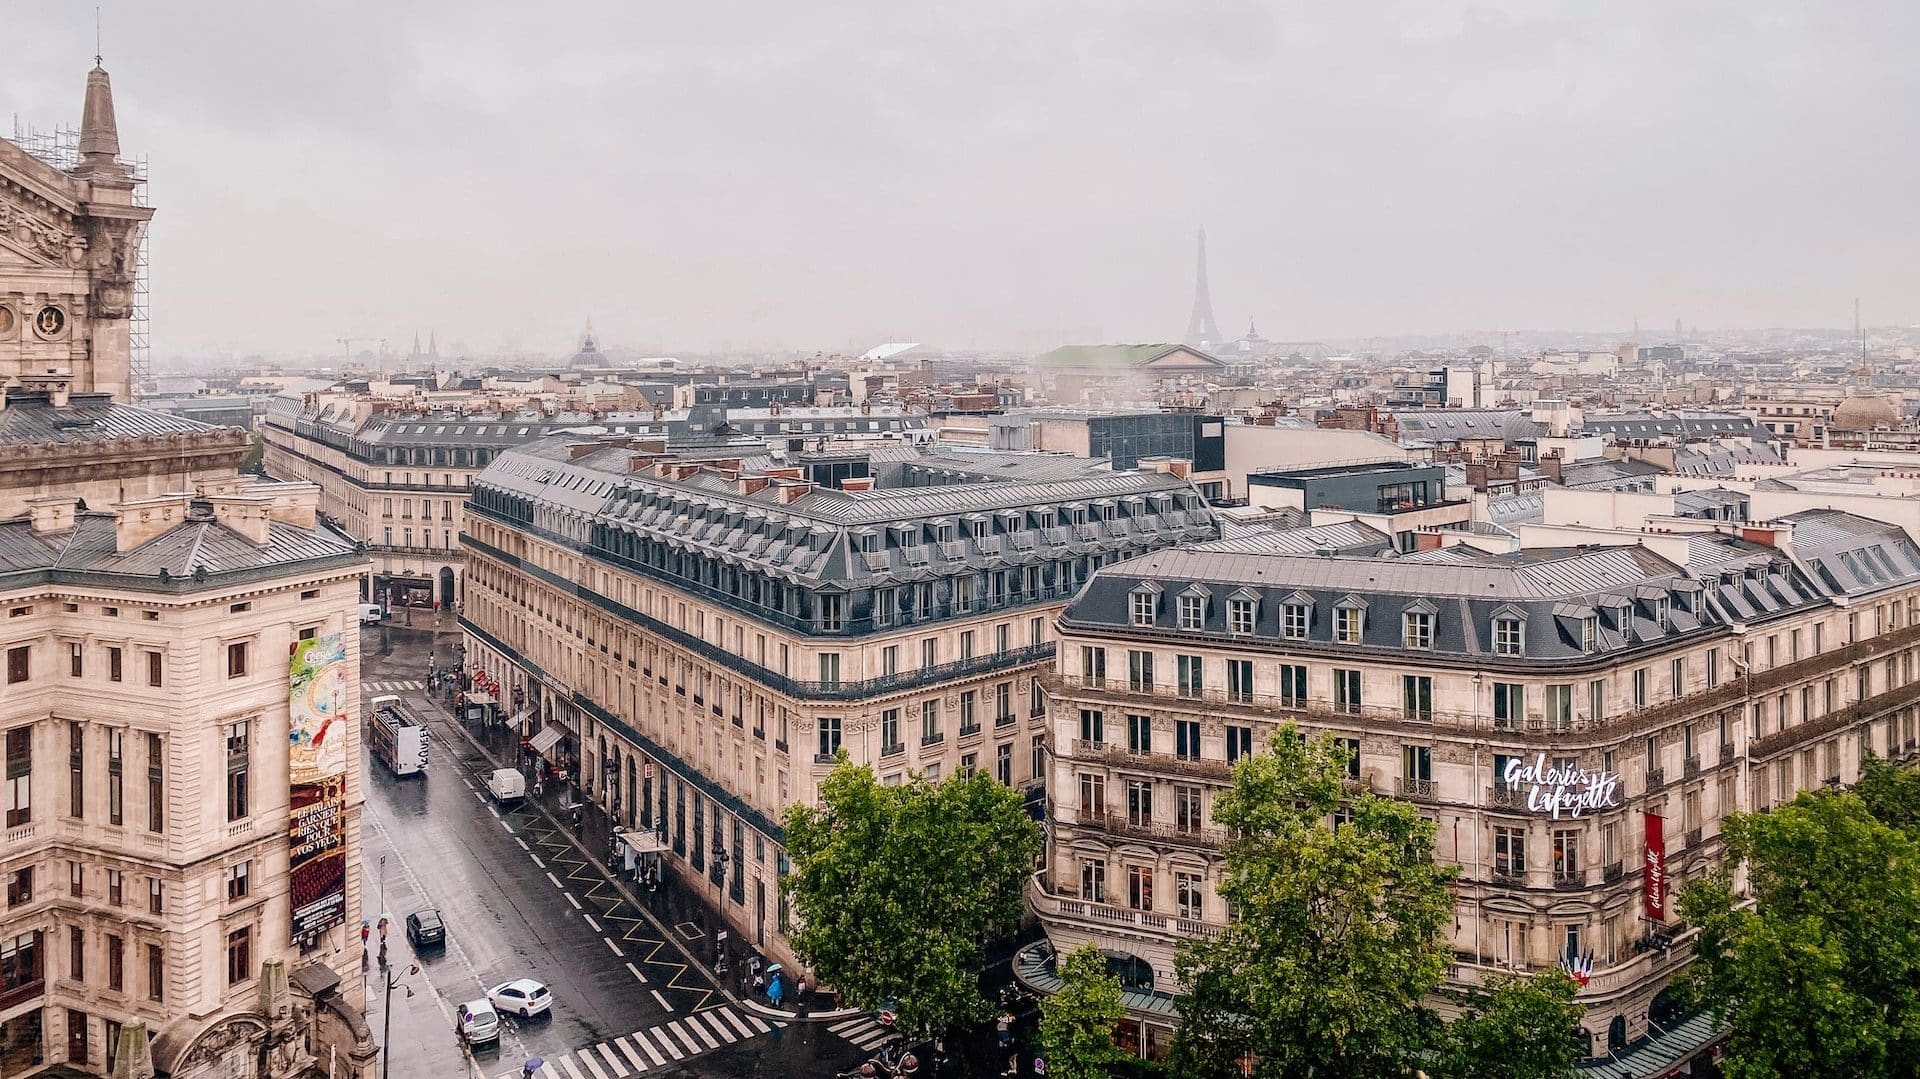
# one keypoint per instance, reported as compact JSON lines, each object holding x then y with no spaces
{"x":694,"y":177}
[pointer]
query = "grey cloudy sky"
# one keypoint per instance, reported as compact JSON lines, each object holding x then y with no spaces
{"x":824,"y":175}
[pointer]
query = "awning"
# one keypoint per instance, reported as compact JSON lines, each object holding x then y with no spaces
{"x":481,"y":698}
{"x":519,"y":720}
{"x":646,"y":841}
{"x":547,"y":739}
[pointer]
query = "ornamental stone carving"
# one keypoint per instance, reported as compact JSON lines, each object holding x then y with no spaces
{"x":49,"y":241}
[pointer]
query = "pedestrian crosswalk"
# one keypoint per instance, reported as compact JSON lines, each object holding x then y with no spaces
{"x":399,"y":686}
{"x":864,"y":1031}
{"x":657,"y":1046}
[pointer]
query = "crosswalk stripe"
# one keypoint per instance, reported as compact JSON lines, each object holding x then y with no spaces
{"x":874,"y":1041}
{"x":699,"y":1028}
{"x":681,"y":1033}
{"x":734,"y":1020}
{"x":709,"y":1020}
{"x":653,"y":1054}
{"x":567,"y":1063}
{"x":548,"y":1071}
{"x":586,"y":1057}
{"x":666,"y":1043}
{"x":758,"y":1023}
{"x":627,"y":1049}
{"x":614,"y":1062}
{"x":845,"y":1025}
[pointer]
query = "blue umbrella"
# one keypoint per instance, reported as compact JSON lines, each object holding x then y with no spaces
{"x":532,"y":1065}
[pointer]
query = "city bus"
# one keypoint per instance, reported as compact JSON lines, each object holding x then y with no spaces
{"x":397,"y":739}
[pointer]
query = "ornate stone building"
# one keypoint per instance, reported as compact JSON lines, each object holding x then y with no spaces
{"x":1565,"y":715}
{"x":69,"y":247}
{"x":182,"y":780}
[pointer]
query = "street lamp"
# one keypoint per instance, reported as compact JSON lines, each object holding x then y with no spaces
{"x":391,"y":979}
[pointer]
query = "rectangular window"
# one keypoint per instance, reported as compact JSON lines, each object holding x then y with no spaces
{"x":1293,"y":685}
{"x":1510,"y":851}
{"x":1140,"y":887}
{"x":1192,"y":612}
{"x":1189,"y":814}
{"x":1346,"y":691}
{"x":76,"y":770}
{"x":829,"y":736}
{"x":928,"y":652}
{"x":1002,"y":704}
{"x":1416,"y":765}
{"x":19,"y":776}
{"x":1240,"y":680}
{"x":890,"y":660}
{"x":76,"y":953}
{"x":890,"y":730}
{"x":966,"y":645}
{"x":929,"y":721}
{"x":1293,"y":621}
{"x":1566,"y":856}
{"x":829,"y":670}
{"x":239,"y":763}
{"x":1509,"y":706}
{"x":1188,"y":894}
{"x":20,"y":887}
{"x":156,"y":896}
{"x":1139,"y":803}
{"x":156,"y":972}
{"x":1093,"y":666}
{"x":1597,"y":699}
{"x":116,"y":888}
{"x":237,"y":884}
{"x":1678,"y":677}
{"x":240,"y":955}
{"x":1093,"y":880}
{"x":1093,"y":726}
{"x":1240,"y":617}
{"x":116,"y":776}
{"x":1640,"y":687}
{"x":1417,"y":630}
{"x":1003,"y":764}
{"x":153,"y":669}
{"x":1190,"y":671}
{"x":237,"y":659}
{"x":1093,"y":795}
{"x":17,"y":666}
{"x":1139,"y":671}
{"x":1351,"y":747}
{"x":1347,"y":624}
{"x":76,"y":659}
{"x":1416,"y":696}
{"x":77,"y":1048}
{"x":115,"y":671}
{"x":1239,"y":742}
{"x":1037,"y":758}
{"x":116,"y":963}
{"x":1139,"y":733}
{"x":1559,"y":703}
{"x":156,"y":784}
{"x":969,"y":719}
{"x":1186,"y":739}
{"x":75,"y":878}
{"x":1141,"y":608}
{"x":1509,"y":636}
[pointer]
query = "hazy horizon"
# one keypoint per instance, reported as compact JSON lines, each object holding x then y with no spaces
{"x":1001,"y":176}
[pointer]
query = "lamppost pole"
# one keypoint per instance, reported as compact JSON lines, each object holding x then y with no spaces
{"x":390,"y":979}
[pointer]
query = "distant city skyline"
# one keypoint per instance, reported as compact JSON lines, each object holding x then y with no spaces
{"x":797,"y":180}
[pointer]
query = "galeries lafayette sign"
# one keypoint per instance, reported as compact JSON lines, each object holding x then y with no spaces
{"x":1562,"y":790}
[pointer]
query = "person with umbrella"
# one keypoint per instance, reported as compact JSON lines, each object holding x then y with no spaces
{"x":774,"y":989}
{"x":532,"y":1065}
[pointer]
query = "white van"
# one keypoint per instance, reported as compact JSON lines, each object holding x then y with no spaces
{"x":370,"y":612}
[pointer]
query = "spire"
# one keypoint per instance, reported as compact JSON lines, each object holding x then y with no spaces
{"x":415,"y":354}
{"x":433,"y":345}
{"x":99,"y":134}
{"x":1201,"y":329}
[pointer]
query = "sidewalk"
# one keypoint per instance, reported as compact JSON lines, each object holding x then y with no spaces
{"x":672,"y":906}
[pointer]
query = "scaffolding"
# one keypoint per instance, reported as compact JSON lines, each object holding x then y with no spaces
{"x":59,"y":147}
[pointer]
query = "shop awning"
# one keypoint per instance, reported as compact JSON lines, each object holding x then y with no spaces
{"x":646,"y":841}
{"x":481,"y":698}
{"x":547,"y":739}
{"x":519,"y":720}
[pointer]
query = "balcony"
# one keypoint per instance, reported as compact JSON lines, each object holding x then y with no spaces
{"x":1419,"y":790}
{"x":1693,"y":838}
{"x":1690,"y":767}
{"x":1506,"y":798}
{"x":1569,"y":879}
{"x":1613,"y":872}
{"x":1509,"y":878}
{"x":1100,"y":915}
{"x":1146,"y":828}
{"x":1656,"y":778}
{"x":1165,"y":763}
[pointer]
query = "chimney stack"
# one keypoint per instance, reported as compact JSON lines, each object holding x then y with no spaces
{"x":53,"y":513}
{"x":248,"y":515}
{"x":141,"y":519}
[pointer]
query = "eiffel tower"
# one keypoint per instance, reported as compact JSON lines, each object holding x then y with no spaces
{"x":1201,"y":329}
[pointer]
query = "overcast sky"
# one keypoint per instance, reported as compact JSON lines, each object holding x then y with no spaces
{"x":828,"y":175}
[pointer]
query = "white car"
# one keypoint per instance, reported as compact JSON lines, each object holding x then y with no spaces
{"x":523,"y":997}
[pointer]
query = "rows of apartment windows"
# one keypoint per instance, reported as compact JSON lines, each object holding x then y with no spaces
{"x":100,"y":754}
{"x":113,"y":660}
{"x":925,"y":720}
{"x":620,"y":640}
{"x":426,"y":509}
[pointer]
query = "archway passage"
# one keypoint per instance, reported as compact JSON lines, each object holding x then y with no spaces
{"x":446,"y":587}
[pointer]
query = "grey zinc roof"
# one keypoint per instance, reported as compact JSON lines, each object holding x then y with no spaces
{"x":87,"y":418}
{"x":1454,"y":424}
{"x":198,"y":543}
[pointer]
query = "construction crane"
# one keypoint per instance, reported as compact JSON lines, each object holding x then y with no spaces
{"x":346,"y":345}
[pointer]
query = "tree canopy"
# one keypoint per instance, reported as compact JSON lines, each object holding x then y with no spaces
{"x":1514,"y":1026}
{"x":1820,"y":976}
{"x":897,"y":888}
{"x":1076,"y":1023}
{"x":1338,"y":941}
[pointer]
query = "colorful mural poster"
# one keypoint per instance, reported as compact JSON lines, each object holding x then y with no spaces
{"x":318,"y":730}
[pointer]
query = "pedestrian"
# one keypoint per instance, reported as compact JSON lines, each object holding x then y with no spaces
{"x":773,"y":991}
{"x":1003,"y":1029}
{"x":800,"y":992}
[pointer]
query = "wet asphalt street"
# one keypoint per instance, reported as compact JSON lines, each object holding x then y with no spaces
{"x":521,"y":900}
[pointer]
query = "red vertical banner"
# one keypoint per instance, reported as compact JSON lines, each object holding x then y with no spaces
{"x":1654,"y":876}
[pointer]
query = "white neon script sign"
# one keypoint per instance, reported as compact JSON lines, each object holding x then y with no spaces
{"x":1556,"y":790}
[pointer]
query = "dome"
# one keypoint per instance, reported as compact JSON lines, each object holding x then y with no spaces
{"x":1864,"y":412}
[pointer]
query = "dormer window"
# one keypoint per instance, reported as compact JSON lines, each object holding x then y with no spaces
{"x":1589,"y":634}
{"x":1509,"y":636}
{"x":1193,"y":612}
{"x":1141,"y":607}
{"x":1294,"y":619}
{"x":1348,"y":624}
{"x":1660,"y":610}
{"x":1416,"y":630}
{"x":1240,"y":614}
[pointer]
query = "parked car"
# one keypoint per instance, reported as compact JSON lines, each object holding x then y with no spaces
{"x":507,"y":785}
{"x":370,"y":612}
{"x":425,"y":929}
{"x":523,"y":997}
{"x":476,"y":1022}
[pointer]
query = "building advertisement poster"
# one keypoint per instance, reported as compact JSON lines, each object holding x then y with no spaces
{"x":318,"y":729}
{"x":1654,"y":877}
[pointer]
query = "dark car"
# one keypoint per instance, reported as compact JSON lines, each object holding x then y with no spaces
{"x":425,"y":929}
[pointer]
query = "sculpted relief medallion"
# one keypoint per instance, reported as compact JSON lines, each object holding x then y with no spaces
{"x":7,"y":322}
{"x":50,"y":322}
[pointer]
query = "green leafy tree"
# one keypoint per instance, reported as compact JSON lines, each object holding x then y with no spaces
{"x":1891,"y":792}
{"x":1338,"y":941}
{"x":1820,"y":976}
{"x":1514,"y":1026}
{"x":1076,"y":1023}
{"x":897,"y":889}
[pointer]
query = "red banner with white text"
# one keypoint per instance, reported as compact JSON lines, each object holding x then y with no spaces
{"x":1654,"y":877}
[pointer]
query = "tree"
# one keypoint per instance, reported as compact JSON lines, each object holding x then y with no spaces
{"x":897,"y":888}
{"x":1514,"y":1026}
{"x":1076,"y":1023}
{"x":1891,"y":792}
{"x":1337,"y":943}
{"x":1821,"y":975}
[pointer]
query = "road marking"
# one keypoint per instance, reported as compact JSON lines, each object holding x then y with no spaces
{"x":662,"y":1000}
{"x":586,"y":1057}
{"x":548,"y":1071}
{"x":745,"y":1030}
{"x":508,"y":828}
{"x":523,"y":844}
{"x":627,"y":1048}
{"x":571,"y":899}
{"x":758,"y":1023}
{"x":701,"y":1029}
{"x":555,"y":880}
{"x":673,"y":1027}
{"x":637,"y":974}
{"x":593,"y":924}
{"x":536,"y":860}
{"x":469,"y":784}
{"x":611,"y":946}
{"x":652,"y":1053}
{"x":567,"y":1063}
{"x":490,"y":809}
{"x":606,"y":1050}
